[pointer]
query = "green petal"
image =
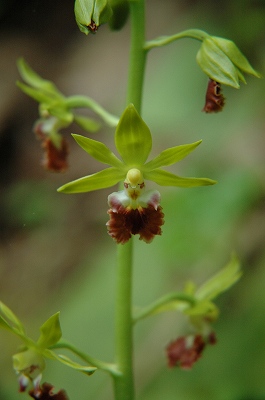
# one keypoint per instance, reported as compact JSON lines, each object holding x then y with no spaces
{"x":34,"y":80}
{"x":216,"y":64}
{"x":36,"y":94}
{"x":235,"y":55}
{"x":98,"y":150}
{"x":171,"y":156}
{"x":100,"y":180}
{"x":133,"y":138}
{"x":86,"y":369}
{"x":50,"y":331}
{"x":165,"y":178}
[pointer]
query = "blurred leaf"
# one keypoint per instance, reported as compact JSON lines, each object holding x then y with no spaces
{"x":220,"y":282}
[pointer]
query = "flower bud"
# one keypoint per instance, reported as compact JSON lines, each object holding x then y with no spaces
{"x":89,"y":14}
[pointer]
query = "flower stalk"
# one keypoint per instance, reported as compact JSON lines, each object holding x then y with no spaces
{"x":124,"y":385}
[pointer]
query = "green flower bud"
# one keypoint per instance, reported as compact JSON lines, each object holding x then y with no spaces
{"x":223,"y":62}
{"x":120,"y":9}
{"x":89,"y":14}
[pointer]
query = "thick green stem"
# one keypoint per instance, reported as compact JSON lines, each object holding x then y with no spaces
{"x":137,"y":54}
{"x":124,"y":384}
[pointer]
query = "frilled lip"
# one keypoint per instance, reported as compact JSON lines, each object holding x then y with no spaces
{"x":125,"y":222}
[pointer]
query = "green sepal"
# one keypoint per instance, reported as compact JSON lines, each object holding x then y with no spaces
{"x":235,"y":55}
{"x":121,"y":10}
{"x":170,"y":156}
{"x":10,"y":321}
{"x":215,"y":63}
{"x":102,"y":12}
{"x":133,"y":138}
{"x":36,"y":94}
{"x":88,"y":124}
{"x":36,"y":81}
{"x":221,"y":281}
{"x":98,"y":150}
{"x":100,"y":180}
{"x":88,"y":11}
{"x":86,"y":369}
{"x":50,"y":332}
{"x":165,"y":178}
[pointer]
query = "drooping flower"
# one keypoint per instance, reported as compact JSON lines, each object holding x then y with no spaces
{"x":133,"y":211}
{"x":223,"y":62}
{"x":56,"y":113}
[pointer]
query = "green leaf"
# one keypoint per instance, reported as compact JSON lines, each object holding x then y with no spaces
{"x":165,"y":178}
{"x":220,"y":282}
{"x":88,"y":124}
{"x":36,"y":81}
{"x":170,"y":156}
{"x":133,"y":138}
{"x":100,"y":180}
{"x":88,"y":370}
{"x":215,"y":63}
{"x":50,"y":332}
{"x":98,"y":150}
{"x":11,"y":318}
{"x":235,"y":55}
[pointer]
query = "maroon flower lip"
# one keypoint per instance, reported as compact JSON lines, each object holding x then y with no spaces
{"x":126,"y":222}
{"x":186,"y":350}
{"x":214,"y":101}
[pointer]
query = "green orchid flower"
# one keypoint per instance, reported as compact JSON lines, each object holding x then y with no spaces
{"x":133,"y":211}
{"x":133,"y":141}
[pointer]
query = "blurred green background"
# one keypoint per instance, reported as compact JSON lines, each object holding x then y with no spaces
{"x":54,"y":250}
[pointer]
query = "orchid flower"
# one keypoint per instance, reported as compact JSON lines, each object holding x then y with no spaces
{"x":132,"y":210}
